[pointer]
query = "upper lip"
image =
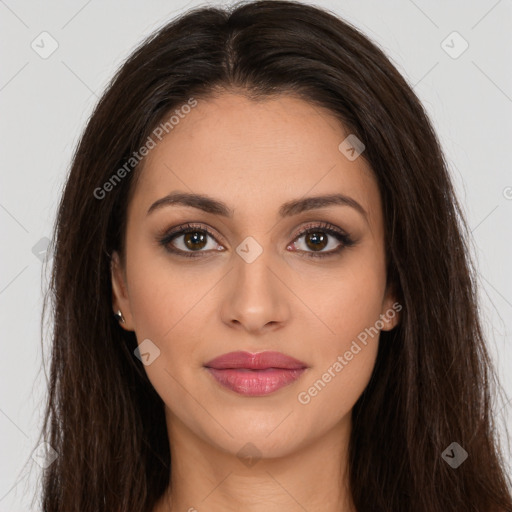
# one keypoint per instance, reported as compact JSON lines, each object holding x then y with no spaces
{"x":258,"y":361}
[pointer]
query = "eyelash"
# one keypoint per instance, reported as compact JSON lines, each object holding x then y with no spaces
{"x":345,"y":239}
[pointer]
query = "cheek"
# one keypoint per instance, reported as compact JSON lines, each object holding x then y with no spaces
{"x":167,"y":310}
{"x":332,"y":390}
{"x":345,"y":355}
{"x":163,"y":297}
{"x":350,"y":303}
{"x":171,"y":306}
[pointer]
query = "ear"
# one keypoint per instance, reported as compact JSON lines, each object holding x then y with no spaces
{"x":120,"y":299}
{"x":390,"y":314}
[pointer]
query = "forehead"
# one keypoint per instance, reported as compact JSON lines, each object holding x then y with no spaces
{"x":255,"y":155}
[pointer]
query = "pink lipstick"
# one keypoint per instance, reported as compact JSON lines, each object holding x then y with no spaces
{"x":255,"y":374}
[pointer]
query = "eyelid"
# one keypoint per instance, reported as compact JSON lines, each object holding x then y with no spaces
{"x":183,"y":228}
{"x":320,"y":225}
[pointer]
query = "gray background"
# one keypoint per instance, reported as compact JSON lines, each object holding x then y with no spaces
{"x":45,"y":103}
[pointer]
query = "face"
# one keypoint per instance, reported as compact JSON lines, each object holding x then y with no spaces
{"x":304,"y":281}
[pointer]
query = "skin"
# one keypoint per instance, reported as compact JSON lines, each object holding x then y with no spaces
{"x":255,"y":156}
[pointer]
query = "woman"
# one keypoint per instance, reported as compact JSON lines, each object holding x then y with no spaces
{"x":262,"y":293}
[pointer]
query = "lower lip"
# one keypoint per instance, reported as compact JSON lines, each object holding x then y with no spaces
{"x":255,"y":382}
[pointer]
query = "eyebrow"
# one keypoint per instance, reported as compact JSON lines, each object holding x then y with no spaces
{"x":288,"y":209}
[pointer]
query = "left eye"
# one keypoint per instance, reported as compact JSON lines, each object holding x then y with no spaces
{"x":316,"y":238}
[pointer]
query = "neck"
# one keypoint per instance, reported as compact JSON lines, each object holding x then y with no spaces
{"x":204,"y":476}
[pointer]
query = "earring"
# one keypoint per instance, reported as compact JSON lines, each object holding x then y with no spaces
{"x":119,"y":316}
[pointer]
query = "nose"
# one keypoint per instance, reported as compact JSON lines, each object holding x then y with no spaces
{"x":256,"y":298}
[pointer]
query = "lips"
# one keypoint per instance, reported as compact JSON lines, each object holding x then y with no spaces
{"x":255,"y":374}
{"x":259,"y":361}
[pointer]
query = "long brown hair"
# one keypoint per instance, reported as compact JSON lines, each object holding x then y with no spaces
{"x":433,"y":380}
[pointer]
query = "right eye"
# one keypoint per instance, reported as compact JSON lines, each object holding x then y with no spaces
{"x":193,"y":240}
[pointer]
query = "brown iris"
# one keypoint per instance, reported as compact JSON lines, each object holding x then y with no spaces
{"x":195,"y":238}
{"x":318,"y":240}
